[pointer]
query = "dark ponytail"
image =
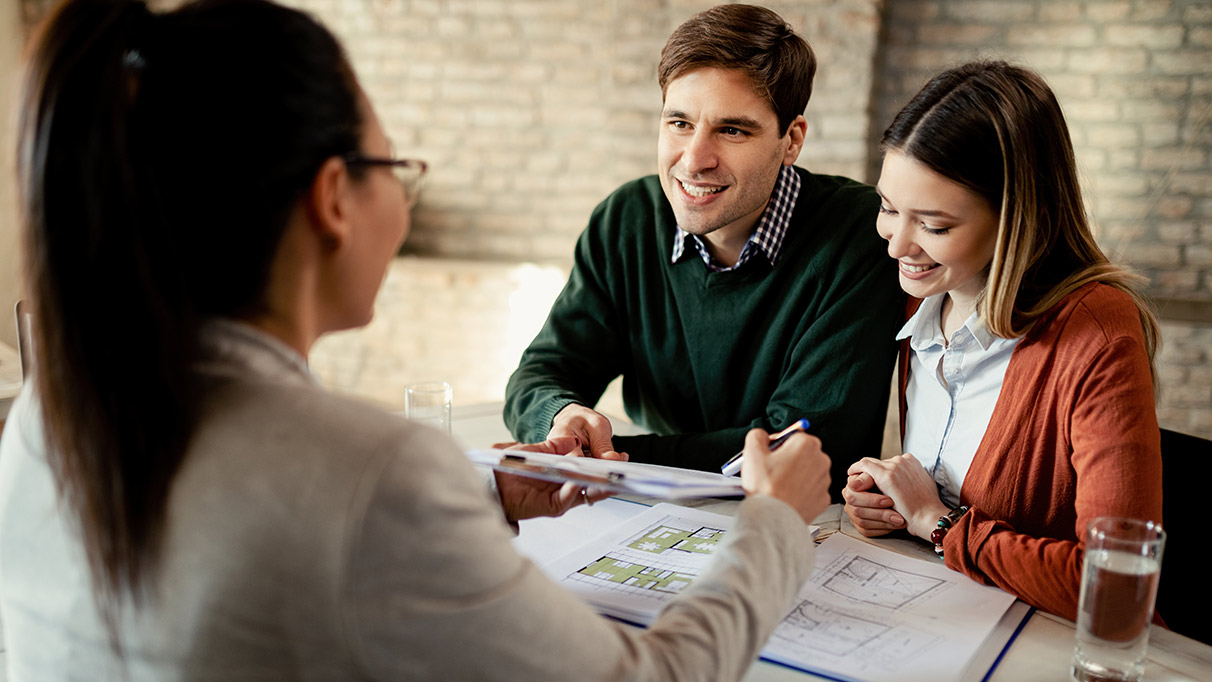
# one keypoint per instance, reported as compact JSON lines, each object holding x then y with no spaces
{"x":161,"y":156}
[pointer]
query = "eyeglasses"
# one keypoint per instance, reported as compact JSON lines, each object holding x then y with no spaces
{"x":410,"y":172}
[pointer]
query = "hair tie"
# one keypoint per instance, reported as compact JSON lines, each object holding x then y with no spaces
{"x":139,"y":32}
{"x":133,"y":60}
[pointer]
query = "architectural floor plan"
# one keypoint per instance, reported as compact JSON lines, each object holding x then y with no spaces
{"x":866,"y":613}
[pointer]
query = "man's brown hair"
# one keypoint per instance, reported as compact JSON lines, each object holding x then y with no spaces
{"x":754,"y":40}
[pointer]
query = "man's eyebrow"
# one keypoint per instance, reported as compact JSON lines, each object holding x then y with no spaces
{"x":728,"y":121}
{"x":740,"y":122}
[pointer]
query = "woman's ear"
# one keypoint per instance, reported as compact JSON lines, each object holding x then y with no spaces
{"x":328,"y":204}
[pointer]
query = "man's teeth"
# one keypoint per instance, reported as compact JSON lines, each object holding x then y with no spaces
{"x":700,"y":191}
{"x":916,"y":268}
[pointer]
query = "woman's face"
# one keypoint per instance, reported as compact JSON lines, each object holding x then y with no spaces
{"x":941,"y":233}
{"x":379,"y":212}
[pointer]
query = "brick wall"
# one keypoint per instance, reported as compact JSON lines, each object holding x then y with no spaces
{"x":1134,"y":79}
{"x":531,"y":111}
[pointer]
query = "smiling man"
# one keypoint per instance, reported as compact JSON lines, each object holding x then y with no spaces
{"x":732,"y":290}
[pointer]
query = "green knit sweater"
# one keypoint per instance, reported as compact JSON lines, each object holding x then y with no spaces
{"x":706,"y":356}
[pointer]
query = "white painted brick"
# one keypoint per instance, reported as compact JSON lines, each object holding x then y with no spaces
{"x":1121,"y":184}
{"x":990,"y":10}
{"x":1189,"y":62}
{"x":1042,"y":58}
{"x":1200,"y":255}
{"x":1053,"y":12}
{"x":1053,"y":35}
{"x":1108,"y":60}
{"x":1150,"y":10}
{"x":1177,"y":233}
{"x":1180,"y":281}
{"x":1106,"y":10}
{"x":1195,"y":184}
{"x":1123,"y":159}
{"x":1112,"y":134}
{"x":1150,"y":110}
{"x":913,"y":11}
{"x":1092,"y":110}
{"x":1154,"y":37}
{"x":1158,"y":134}
{"x":1189,"y":396}
{"x":1174,"y":207}
{"x":1156,"y":255}
{"x":1200,"y":424}
{"x":1069,"y":86}
{"x":957,"y":34}
{"x":1171,"y":157}
{"x":1151,"y":85}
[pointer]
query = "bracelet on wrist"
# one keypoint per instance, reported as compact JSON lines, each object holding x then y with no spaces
{"x":945,"y":522}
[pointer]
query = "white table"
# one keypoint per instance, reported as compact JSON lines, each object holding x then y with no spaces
{"x":1040,"y":653}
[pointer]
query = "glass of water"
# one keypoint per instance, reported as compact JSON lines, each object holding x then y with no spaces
{"x":1119,"y":585}
{"x":429,"y":403}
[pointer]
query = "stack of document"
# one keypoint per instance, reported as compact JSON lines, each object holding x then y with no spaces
{"x":667,"y":483}
{"x":867,"y":614}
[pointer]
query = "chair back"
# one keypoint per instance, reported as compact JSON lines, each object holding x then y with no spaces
{"x":1182,"y":593}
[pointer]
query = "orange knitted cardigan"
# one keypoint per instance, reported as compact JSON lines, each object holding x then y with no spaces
{"x":1073,"y":436}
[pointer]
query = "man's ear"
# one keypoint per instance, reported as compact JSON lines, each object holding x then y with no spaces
{"x":328,"y":204}
{"x":796,"y":132}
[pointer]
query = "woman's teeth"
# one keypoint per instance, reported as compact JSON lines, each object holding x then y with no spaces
{"x":917,"y":268}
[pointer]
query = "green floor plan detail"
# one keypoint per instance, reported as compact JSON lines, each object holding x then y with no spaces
{"x":662,"y":538}
{"x":637,"y":575}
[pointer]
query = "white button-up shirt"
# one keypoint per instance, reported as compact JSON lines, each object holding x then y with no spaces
{"x":951,"y":393}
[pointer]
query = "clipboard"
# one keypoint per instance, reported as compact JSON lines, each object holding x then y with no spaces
{"x":663,"y":482}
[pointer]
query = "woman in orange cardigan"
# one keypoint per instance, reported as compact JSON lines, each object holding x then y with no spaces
{"x":1026,"y":382}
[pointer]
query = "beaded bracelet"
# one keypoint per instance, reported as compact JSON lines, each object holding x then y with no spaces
{"x":944,"y":524}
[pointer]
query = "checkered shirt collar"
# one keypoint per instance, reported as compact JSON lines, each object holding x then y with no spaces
{"x":771,"y":229}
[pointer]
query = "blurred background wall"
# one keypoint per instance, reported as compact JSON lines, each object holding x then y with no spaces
{"x":531,"y":111}
{"x":12,"y":35}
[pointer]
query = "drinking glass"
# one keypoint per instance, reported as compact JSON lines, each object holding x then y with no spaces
{"x":1119,"y":586}
{"x":429,"y":403}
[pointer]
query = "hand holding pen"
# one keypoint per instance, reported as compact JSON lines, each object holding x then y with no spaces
{"x":797,"y":474}
{"x":733,"y":466}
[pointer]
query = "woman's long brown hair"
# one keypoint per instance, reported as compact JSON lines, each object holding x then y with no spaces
{"x":998,"y":130}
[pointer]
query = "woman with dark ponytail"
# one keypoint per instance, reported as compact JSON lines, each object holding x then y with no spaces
{"x":205,"y":192}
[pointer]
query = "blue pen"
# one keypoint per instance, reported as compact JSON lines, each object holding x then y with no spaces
{"x":733,"y":466}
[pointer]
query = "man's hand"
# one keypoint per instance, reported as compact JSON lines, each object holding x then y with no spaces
{"x":523,"y":497}
{"x":591,"y":429}
{"x":797,"y":473}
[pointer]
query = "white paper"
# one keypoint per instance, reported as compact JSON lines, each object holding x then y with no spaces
{"x":608,"y":475}
{"x":866,"y":613}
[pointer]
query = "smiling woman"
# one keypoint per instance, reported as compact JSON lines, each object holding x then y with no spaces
{"x":1026,"y":382}
{"x":941,"y":233}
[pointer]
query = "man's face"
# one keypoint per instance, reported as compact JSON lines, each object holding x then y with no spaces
{"x":720,"y":151}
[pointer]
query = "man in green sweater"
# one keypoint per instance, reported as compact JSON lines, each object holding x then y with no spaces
{"x":731,"y":291}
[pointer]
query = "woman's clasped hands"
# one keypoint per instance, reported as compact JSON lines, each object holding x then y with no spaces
{"x":883,"y":495}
